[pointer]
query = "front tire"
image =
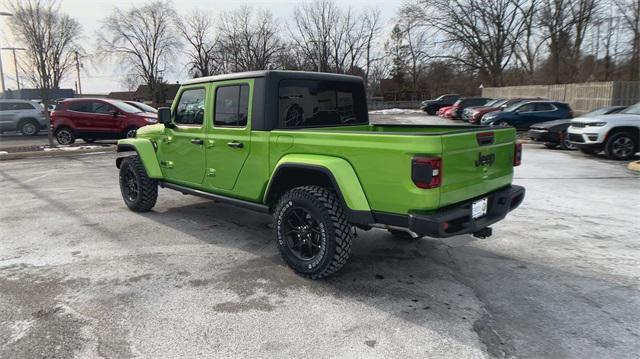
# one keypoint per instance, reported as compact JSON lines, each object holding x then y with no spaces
{"x":65,"y":136}
{"x":565,"y":144}
{"x":130,"y":132}
{"x":621,"y":146}
{"x":139,"y":192}
{"x":312,"y":232}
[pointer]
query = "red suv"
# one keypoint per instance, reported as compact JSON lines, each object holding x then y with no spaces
{"x":92,"y":119}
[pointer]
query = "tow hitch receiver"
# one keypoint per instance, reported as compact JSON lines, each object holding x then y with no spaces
{"x":483,"y":233}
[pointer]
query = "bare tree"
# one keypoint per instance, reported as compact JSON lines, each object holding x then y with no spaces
{"x":416,"y":42}
{"x":50,"y":38}
{"x":249,"y":39}
{"x":481,"y":34}
{"x":528,"y":49}
{"x":197,"y":30}
{"x":314,"y":26}
{"x":630,"y":10}
{"x":143,"y":39}
{"x":371,"y":26}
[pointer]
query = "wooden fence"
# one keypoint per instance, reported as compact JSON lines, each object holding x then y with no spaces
{"x":582,"y":97}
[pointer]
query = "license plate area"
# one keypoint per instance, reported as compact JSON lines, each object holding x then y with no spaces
{"x":479,"y":208}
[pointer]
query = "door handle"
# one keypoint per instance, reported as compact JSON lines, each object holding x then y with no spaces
{"x":197,"y":141}
{"x":235,"y":144}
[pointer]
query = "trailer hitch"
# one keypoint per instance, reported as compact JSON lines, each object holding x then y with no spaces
{"x":483,"y":233}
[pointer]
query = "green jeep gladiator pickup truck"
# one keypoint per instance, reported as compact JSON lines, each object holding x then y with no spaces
{"x":299,"y":145}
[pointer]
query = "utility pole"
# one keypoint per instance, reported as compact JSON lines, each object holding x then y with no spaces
{"x":78,"y":73}
{"x":3,"y":13}
{"x":15,"y":61}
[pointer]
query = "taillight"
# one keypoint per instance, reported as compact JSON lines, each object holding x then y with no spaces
{"x":426,"y":172}
{"x":517,"y":154}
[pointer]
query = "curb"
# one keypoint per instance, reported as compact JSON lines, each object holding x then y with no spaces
{"x":634,"y":166}
{"x":36,"y":154}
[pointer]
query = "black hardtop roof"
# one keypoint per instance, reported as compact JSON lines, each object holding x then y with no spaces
{"x":278,"y":75}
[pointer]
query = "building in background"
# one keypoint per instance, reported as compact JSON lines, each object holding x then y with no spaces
{"x":35,"y":95}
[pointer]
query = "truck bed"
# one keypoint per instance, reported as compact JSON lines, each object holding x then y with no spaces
{"x":381,"y":156}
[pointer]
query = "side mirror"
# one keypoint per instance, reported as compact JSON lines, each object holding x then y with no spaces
{"x":164,"y":116}
{"x":115,"y":114}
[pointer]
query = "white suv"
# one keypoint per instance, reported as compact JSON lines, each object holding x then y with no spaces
{"x":617,"y":134}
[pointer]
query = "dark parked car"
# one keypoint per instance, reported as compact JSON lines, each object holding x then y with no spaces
{"x":522,"y":115}
{"x":463,"y":103}
{"x":554,"y":133}
{"x":92,"y":119}
{"x":476,"y":113}
{"x":432,"y":106}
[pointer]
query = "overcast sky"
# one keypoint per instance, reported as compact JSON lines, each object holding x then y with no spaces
{"x":103,"y":77}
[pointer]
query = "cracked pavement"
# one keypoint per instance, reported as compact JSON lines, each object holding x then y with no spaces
{"x":82,"y":276}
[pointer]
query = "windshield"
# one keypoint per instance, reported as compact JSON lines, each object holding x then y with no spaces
{"x":126,"y":107}
{"x":143,"y":106}
{"x":492,"y":103}
{"x":633,"y":110}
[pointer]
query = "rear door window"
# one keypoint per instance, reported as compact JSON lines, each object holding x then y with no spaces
{"x":317,"y":103}
{"x":530,"y":107}
{"x":80,"y":106}
{"x":544,"y":107}
{"x":232,"y":106}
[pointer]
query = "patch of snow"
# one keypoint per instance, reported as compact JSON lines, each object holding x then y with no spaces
{"x":70,"y":148}
{"x":394,"y":111}
{"x":3,"y":152}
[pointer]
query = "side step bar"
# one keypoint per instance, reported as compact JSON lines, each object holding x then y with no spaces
{"x":258,"y":207}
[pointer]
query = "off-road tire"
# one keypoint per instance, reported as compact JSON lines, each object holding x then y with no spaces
{"x":29,"y":127}
{"x":147,"y":188}
{"x":63,"y":139}
{"x":617,"y":139}
{"x":336,"y":233}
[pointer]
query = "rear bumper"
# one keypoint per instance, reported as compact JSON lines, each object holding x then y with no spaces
{"x":456,"y":219}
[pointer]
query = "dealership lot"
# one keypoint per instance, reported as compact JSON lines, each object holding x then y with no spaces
{"x":82,"y":275}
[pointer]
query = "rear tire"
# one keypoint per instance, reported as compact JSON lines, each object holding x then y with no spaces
{"x":312,"y":232}
{"x":65,"y":136}
{"x":29,"y":128}
{"x":139,"y":192}
{"x":621,"y":146}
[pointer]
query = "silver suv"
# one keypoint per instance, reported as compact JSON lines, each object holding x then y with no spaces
{"x":23,"y":116}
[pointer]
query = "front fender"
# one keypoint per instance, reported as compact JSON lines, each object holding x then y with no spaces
{"x":338,"y":169}
{"x":145,"y":150}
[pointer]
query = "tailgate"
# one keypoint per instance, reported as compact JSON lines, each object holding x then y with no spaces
{"x":474,"y":165}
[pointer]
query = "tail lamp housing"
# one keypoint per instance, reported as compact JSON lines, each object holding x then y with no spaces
{"x":426,"y":172}
{"x":517,"y":154}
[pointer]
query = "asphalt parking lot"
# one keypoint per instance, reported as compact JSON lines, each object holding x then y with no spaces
{"x":82,"y":276}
